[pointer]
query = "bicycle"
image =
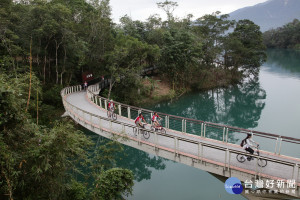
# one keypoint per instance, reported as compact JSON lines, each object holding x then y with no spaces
{"x":111,"y":114}
{"x":261,"y":162}
{"x":159,"y":128}
{"x":145,"y":133}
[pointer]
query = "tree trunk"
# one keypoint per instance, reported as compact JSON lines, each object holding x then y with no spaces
{"x":56,"y":59}
{"x":30,"y":62}
{"x":45,"y":62}
{"x":111,"y":84}
{"x":49,"y":66}
{"x":70,"y":78}
{"x":64,"y":66}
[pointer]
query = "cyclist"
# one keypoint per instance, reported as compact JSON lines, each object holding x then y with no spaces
{"x":247,"y":143}
{"x":155,"y":121}
{"x":138,"y":121}
{"x":111,"y":106}
{"x":85,"y":84}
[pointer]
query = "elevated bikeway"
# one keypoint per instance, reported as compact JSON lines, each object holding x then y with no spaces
{"x":199,"y":151}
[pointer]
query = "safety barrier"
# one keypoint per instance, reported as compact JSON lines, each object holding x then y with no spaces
{"x":197,"y":151}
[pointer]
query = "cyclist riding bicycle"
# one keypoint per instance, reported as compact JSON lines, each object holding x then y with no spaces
{"x":111,"y":106}
{"x":138,"y":121}
{"x":247,"y":143}
{"x":154,"y":120}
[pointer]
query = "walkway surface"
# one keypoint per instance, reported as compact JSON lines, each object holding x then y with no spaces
{"x":272,"y":170}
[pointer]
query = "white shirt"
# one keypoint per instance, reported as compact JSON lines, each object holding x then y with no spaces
{"x":249,"y":143}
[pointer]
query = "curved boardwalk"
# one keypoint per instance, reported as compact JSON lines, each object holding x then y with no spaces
{"x":207,"y":154}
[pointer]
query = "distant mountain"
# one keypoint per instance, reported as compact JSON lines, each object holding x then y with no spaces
{"x":270,"y":14}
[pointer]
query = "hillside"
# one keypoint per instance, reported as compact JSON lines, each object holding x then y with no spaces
{"x":270,"y":14}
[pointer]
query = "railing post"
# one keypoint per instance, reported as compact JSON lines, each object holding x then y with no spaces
{"x":151,"y":115}
{"x":100,"y":102}
{"x":182,"y":125}
{"x":276,"y":145}
{"x":297,"y":174}
{"x":226,"y":134}
{"x":128,"y":112}
{"x":166,"y":119}
{"x":156,"y":140}
{"x":139,"y":136}
{"x":225,"y":158}
{"x":123,"y":128}
{"x":105,"y":104}
{"x":185,"y":126}
{"x":280,"y":143}
{"x":294,"y":168}
{"x":223,"y":134}
{"x":175,"y":146}
{"x":204,"y":129}
{"x":229,"y":158}
{"x":100,"y":123}
{"x":96,"y":100}
{"x":119,"y":107}
{"x":200,"y":149}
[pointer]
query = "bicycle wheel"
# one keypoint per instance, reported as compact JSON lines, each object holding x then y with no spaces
{"x":261,"y":162}
{"x":163,"y":131}
{"x":114,"y":116}
{"x":146,"y":134}
{"x":240,"y":158}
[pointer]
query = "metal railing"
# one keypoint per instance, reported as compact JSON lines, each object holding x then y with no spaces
{"x":205,"y":129}
{"x":199,"y":149}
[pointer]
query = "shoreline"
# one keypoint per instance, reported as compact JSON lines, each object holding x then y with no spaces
{"x":159,"y":90}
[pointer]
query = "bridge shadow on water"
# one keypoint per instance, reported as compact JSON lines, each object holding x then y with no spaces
{"x":139,"y":162}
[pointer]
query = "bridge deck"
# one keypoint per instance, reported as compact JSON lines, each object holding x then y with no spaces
{"x":272,"y":170}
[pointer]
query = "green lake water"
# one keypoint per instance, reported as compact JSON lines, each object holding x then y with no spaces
{"x":270,"y":103}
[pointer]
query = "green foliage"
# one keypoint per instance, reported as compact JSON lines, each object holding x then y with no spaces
{"x":114,"y":183}
{"x":245,"y":49}
{"x":76,"y":191}
{"x":35,"y":161}
{"x":287,"y":36}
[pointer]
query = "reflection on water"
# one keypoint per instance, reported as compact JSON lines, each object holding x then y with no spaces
{"x":284,"y":62}
{"x":139,"y":162}
{"x":239,"y":105}
{"x":270,"y":104}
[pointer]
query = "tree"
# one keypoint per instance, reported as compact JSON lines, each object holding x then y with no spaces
{"x":180,"y":53}
{"x":114,"y":183}
{"x":168,"y":7}
{"x":211,"y":29}
{"x":128,"y":58}
{"x":247,"y":51}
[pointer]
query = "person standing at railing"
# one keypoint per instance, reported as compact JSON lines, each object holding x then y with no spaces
{"x":247,"y":143}
{"x":85,"y":84}
{"x":138,"y":121}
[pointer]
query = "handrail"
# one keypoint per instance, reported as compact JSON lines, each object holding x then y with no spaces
{"x":226,"y":164}
{"x":279,"y":139}
{"x":184,"y":139}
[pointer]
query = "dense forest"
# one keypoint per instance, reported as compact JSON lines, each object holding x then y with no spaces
{"x":287,"y":36}
{"x":47,"y":45}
